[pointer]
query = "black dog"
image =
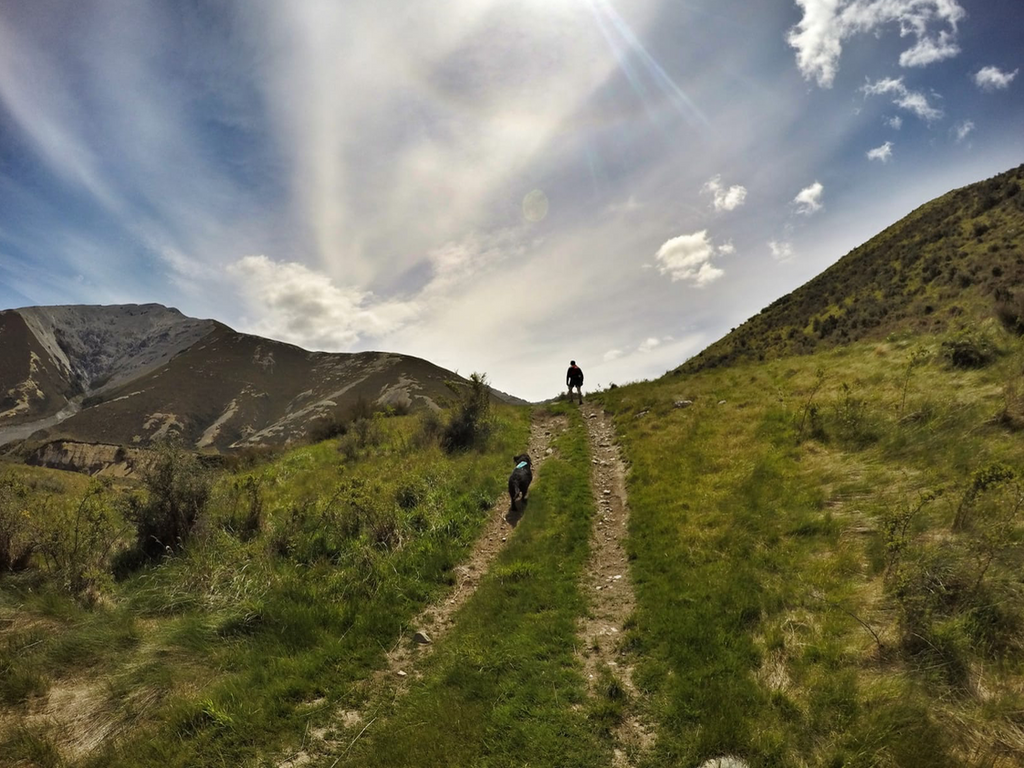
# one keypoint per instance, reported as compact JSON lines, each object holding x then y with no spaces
{"x":520,"y":479}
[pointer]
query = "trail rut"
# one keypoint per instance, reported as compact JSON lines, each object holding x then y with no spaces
{"x":608,"y":584}
{"x":437,"y":619}
{"x":434,"y":622}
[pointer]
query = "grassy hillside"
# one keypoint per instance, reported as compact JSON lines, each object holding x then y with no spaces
{"x":297,"y":577}
{"x":959,"y":258}
{"x":828,"y":551}
{"x":827,"y":548}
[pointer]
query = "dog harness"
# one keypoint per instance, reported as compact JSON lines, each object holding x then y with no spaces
{"x":520,"y":465}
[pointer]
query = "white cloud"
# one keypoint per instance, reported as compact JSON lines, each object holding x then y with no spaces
{"x":929,"y":50}
{"x":727,"y":248}
{"x":688,"y":257}
{"x":781,"y":250}
{"x":648,"y":344}
{"x":612,"y":354}
{"x":724,"y":199}
{"x":302,"y":306}
{"x":882,"y":153}
{"x":993,"y":78}
{"x":895,"y":122}
{"x":912,"y":101}
{"x":808,"y":200}
{"x":826,"y":24}
{"x":962,"y":129}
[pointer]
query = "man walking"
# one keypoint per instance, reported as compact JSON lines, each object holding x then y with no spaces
{"x":574,"y":378}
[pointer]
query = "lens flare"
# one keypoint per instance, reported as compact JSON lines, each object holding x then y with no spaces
{"x":535,"y":206}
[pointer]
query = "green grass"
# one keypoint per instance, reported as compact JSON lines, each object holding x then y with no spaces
{"x":504,"y":687}
{"x":827,"y":551}
{"x":211,"y":657}
{"x":767,"y":625}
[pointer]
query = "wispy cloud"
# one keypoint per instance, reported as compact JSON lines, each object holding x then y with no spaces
{"x":781,"y":250}
{"x":895,"y":122}
{"x":962,"y":129}
{"x":648,"y":344}
{"x":928,"y":50}
{"x":688,"y":258}
{"x":993,"y":78}
{"x":882,"y":154}
{"x":827,"y":24}
{"x":611,"y":354}
{"x":912,"y":101}
{"x":808,"y":199}
{"x":724,"y":198}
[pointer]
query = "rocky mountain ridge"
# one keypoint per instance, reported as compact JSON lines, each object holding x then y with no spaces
{"x":134,"y":375}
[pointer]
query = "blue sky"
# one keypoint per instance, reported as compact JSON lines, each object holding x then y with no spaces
{"x":494,"y":185}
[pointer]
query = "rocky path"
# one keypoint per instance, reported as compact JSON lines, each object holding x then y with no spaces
{"x":608,"y":583}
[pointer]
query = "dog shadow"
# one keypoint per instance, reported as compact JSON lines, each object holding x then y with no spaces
{"x":515,"y":512}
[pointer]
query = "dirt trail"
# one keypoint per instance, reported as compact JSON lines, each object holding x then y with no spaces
{"x":437,"y":619}
{"x":433,"y":623}
{"x":608,"y":583}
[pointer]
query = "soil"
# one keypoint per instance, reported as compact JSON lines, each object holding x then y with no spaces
{"x":608,"y":583}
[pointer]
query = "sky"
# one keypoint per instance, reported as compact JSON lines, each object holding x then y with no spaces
{"x":497,"y":186}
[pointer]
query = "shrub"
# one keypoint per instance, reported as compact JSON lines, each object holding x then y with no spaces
{"x":969,"y":349}
{"x":15,"y":538}
{"x":327,"y":429}
{"x":852,"y":419}
{"x":247,"y":516}
{"x":1012,"y":413}
{"x":1010,"y":312}
{"x":75,"y":538}
{"x":469,"y":425}
{"x":178,"y":491}
{"x":984,"y":479}
{"x":430,"y":429}
{"x":364,"y":432}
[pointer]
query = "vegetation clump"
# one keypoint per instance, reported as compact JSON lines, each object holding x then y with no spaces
{"x":178,"y":490}
{"x":15,"y":540}
{"x":469,"y":424}
{"x":969,"y":349}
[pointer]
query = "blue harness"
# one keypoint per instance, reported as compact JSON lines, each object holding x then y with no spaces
{"x":521,"y":464}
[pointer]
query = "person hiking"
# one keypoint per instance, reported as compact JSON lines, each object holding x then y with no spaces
{"x":574,"y":378}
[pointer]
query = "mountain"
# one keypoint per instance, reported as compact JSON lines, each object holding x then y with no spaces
{"x":956,"y":260}
{"x":136,"y":374}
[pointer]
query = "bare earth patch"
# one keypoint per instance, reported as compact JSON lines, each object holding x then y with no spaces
{"x":609,"y":586}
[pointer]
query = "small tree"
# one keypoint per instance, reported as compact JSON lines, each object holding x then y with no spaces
{"x":179,"y":489}
{"x":469,"y":424}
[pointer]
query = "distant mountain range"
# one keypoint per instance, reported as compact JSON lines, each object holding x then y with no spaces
{"x":956,"y":260}
{"x":132,"y":375}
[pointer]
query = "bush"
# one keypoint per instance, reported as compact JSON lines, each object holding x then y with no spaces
{"x":469,"y":425}
{"x":178,"y":491}
{"x":970,"y":349}
{"x":431,"y":426}
{"x":247,"y":510}
{"x":15,"y":538}
{"x":1010,"y":312}
{"x":75,"y":538}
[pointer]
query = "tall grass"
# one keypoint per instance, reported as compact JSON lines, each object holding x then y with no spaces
{"x":288,"y":590}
